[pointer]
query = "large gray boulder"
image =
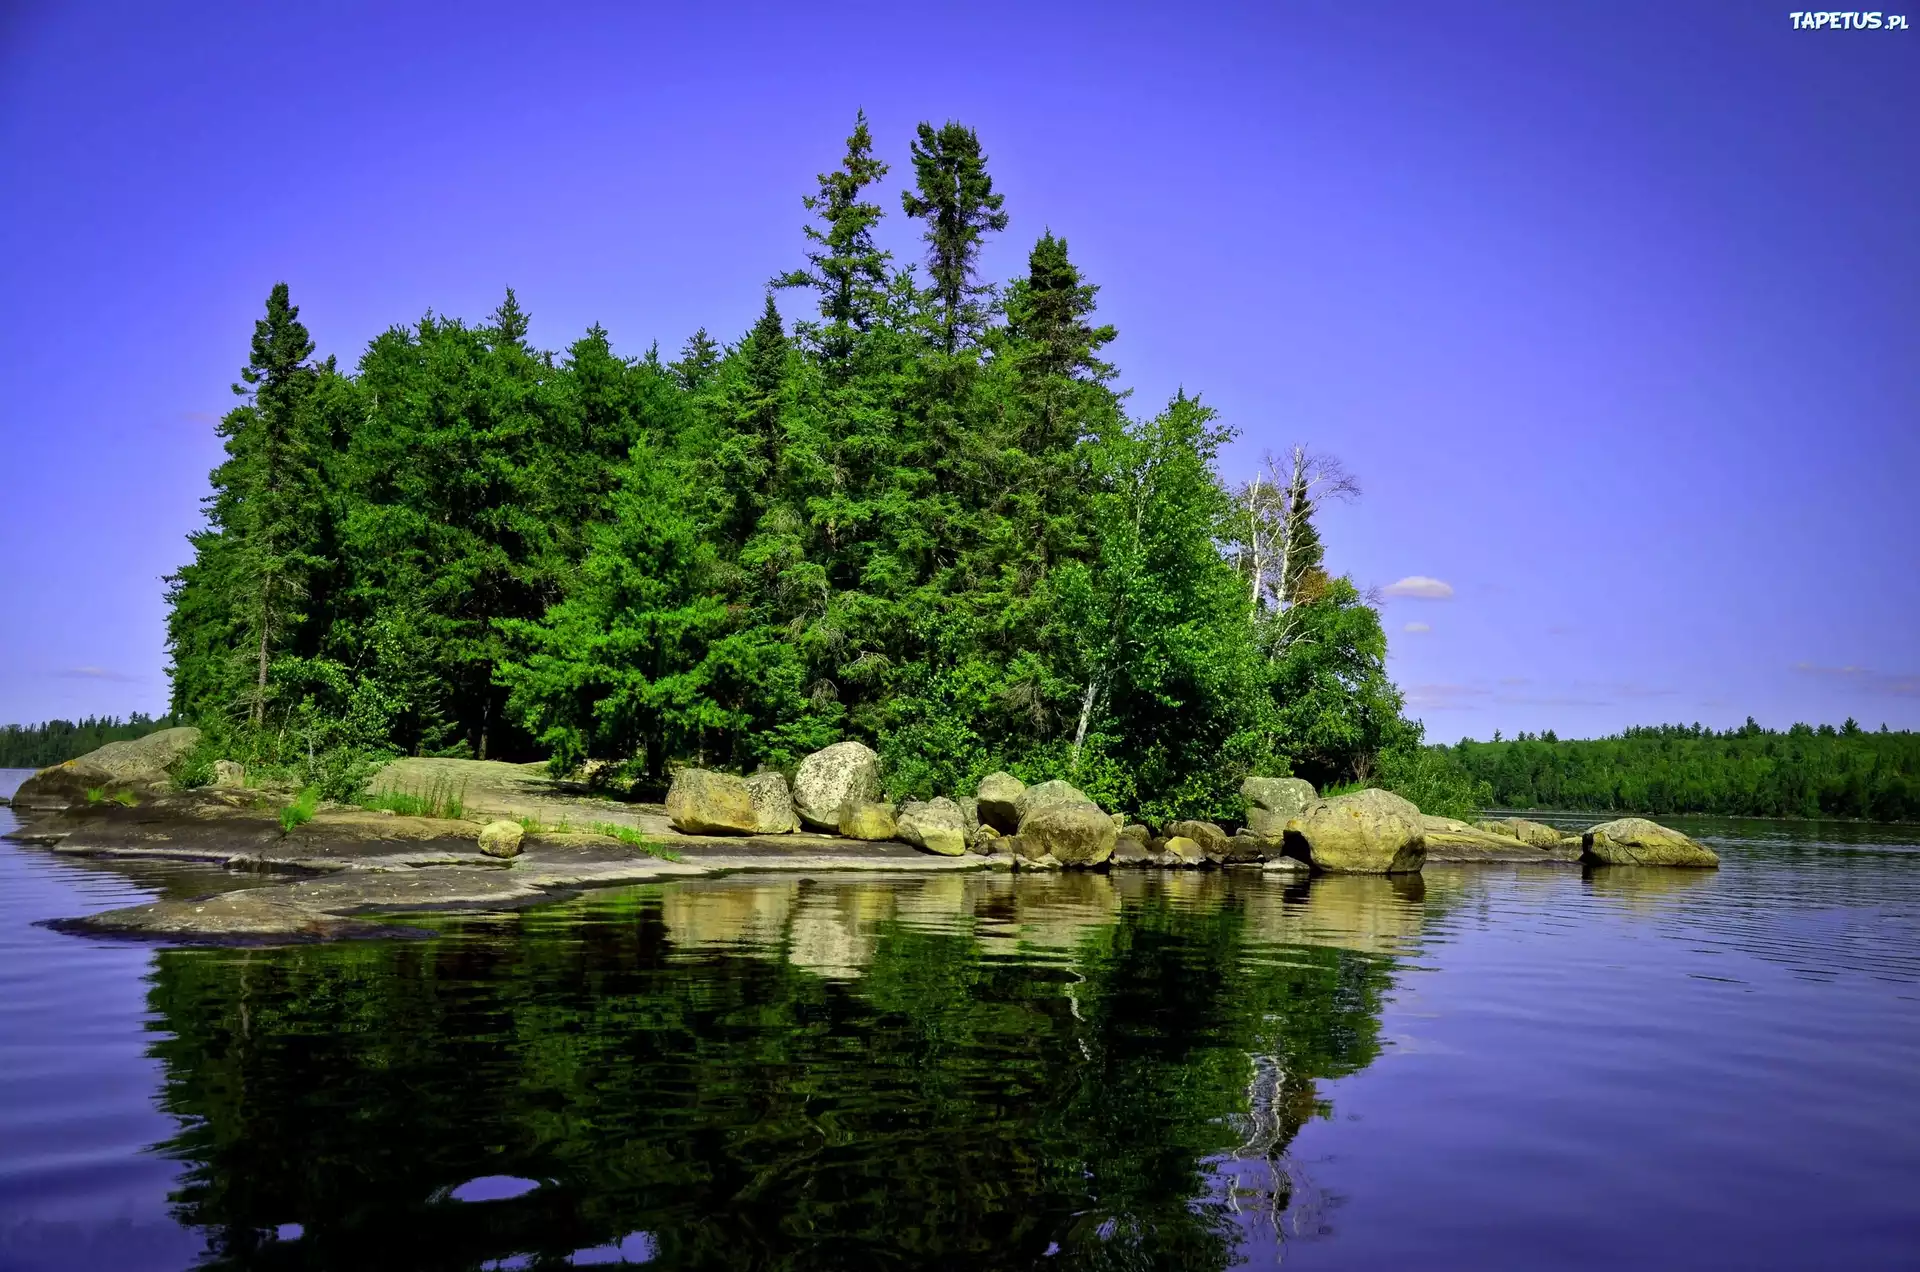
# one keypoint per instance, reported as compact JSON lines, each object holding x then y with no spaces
{"x":1367,"y":832}
{"x":998,"y":801}
{"x":1274,"y":801}
{"x":1073,"y":834}
{"x":1635,"y":841}
{"x":137,"y":767}
{"x":702,"y":802}
{"x":937,"y":826}
{"x":1048,"y":795}
{"x":829,"y":778}
{"x":772,"y":804}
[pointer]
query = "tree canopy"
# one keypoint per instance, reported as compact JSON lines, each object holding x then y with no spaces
{"x":918,"y":513}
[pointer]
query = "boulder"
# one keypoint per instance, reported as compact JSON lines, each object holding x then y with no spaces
{"x":1287,"y":866}
{"x":998,"y":801}
{"x":1045,"y":861}
{"x":1128,"y":851}
{"x":969,"y":812}
{"x":703,"y":802}
{"x":1635,"y":841}
{"x":1367,"y":832}
{"x":501,"y":838}
{"x":829,"y":778}
{"x":1050,"y":795}
{"x":1210,"y":837}
{"x":1180,"y":851}
{"x":1274,"y":801}
{"x":1076,"y":834}
{"x":1134,"y":830}
{"x":1536,"y":833}
{"x":229,"y":773}
{"x":1247,"y":846}
{"x":867,"y":819}
{"x":137,"y":766}
{"x":1454,"y":841}
{"x":937,"y":826}
{"x":983,"y":840}
{"x":772,"y":803}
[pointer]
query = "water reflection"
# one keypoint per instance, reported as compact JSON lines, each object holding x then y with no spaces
{"x":962,"y":1070}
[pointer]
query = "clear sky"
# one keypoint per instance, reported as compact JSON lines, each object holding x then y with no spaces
{"x":1613,"y":308}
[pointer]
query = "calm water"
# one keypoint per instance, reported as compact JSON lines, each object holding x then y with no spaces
{"x":1494,"y":1068}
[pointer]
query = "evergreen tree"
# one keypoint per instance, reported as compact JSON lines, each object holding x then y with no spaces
{"x":955,"y":196}
{"x":845,"y":267}
{"x":245,"y":591}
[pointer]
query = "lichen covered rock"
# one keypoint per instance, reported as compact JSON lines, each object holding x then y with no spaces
{"x":1050,"y":795}
{"x":829,"y":778}
{"x":1074,"y":834}
{"x":937,"y":826}
{"x":703,"y":802}
{"x":1367,"y":832}
{"x":1274,"y":801}
{"x":501,"y":838}
{"x":772,"y":804}
{"x":1635,"y":841}
{"x":998,"y":801}
{"x":133,"y":767}
{"x":867,"y":819}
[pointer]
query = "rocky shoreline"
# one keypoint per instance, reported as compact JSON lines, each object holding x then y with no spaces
{"x":523,"y":838}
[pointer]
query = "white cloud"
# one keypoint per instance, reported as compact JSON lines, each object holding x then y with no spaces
{"x":1417,"y":627}
{"x":95,"y":673}
{"x":1422,"y":587}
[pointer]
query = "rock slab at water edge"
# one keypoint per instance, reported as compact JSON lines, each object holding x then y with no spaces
{"x":1274,"y":801}
{"x":998,"y":801}
{"x":936,"y":826}
{"x":1538,"y":834}
{"x":772,"y":804}
{"x":1367,"y":832}
{"x":501,"y":838}
{"x":702,"y":802}
{"x":1073,"y":834}
{"x":136,"y":766}
{"x":829,"y":778}
{"x":1449,"y":839}
{"x":1635,"y":841}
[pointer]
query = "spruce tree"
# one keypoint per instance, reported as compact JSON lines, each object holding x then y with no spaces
{"x":955,"y":196}
{"x":267,"y":517}
{"x":845,"y":267}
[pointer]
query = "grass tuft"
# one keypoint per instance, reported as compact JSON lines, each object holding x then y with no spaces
{"x":439,"y":798}
{"x":301,"y":810}
{"x":634,"y":839}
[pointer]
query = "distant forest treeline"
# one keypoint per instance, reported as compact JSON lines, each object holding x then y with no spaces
{"x":1743,"y":772}
{"x":38,"y":745}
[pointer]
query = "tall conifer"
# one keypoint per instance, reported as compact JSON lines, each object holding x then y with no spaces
{"x":955,"y":196}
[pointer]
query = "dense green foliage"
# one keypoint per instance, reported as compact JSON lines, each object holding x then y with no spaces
{"x":919,"y":516}
{"x":1749,"y":771}
{"x":768,"y":1076}
{"x":57,"y":741}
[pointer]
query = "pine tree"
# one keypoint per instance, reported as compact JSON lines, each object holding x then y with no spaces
{"x":954,"y":195}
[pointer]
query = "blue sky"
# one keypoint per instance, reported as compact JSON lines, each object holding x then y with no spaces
{"x":1610,"y":307}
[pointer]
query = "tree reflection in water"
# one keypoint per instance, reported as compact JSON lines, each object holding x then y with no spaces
{"x":1101,"y":1071}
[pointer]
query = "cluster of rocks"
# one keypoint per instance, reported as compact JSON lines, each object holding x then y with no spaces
{"x":1052,"y":825}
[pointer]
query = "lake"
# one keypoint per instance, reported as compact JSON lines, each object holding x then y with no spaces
{"x":1484,"y":1067}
